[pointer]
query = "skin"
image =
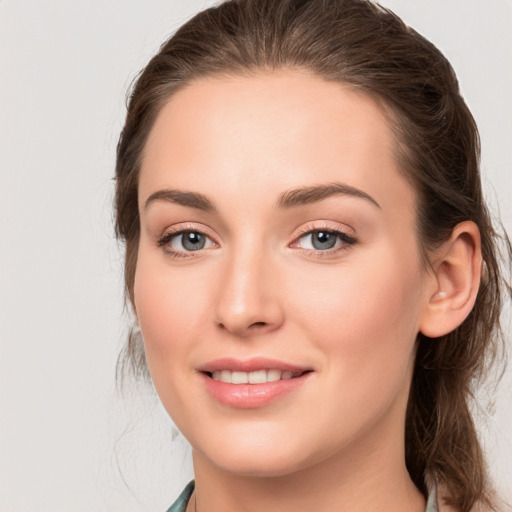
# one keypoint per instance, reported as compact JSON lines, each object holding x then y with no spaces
{"x":351,"y":314}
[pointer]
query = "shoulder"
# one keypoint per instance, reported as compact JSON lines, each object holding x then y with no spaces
{"x":181,"y":503}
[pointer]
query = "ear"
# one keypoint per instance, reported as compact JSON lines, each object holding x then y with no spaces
{"x":457,"y":268}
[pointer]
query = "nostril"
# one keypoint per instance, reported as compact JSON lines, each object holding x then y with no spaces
{"x":258,"y":324}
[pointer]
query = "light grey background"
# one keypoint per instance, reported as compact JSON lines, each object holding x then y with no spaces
{"x":67,"y":441}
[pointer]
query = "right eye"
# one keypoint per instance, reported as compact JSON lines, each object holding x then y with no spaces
{"x":181,"y":242}
{"x":322,"y":240}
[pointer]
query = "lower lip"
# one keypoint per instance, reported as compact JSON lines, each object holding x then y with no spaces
{"x":251,"y":396}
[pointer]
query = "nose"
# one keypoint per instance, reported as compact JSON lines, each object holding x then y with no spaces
{"x":248,"y":302}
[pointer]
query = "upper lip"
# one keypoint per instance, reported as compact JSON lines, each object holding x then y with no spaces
{"x":250,"y":365}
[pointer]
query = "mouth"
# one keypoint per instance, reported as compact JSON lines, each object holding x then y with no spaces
{"x":249,"y":384}
{"x":254,"y":377}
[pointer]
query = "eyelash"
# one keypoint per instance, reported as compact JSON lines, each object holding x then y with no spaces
{"x":346,"y":239}
{"x":165,"y":241}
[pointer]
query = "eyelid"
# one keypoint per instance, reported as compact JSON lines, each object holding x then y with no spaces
{"x":324,"y":225}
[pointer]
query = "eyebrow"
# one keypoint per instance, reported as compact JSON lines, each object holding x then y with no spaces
{"x":315,"y":193}
{"x":183,"y":198}
{"x":289,"y":199}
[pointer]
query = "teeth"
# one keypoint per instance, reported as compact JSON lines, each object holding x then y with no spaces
{"x":256,"y":377}
{"x":239,"y":378}
{"x":259,"y":377}
{"x":273,"y":375}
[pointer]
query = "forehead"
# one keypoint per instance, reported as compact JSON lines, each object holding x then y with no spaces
{"x":287,"y":127}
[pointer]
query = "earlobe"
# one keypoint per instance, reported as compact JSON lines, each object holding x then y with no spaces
{"x":457,"y":267}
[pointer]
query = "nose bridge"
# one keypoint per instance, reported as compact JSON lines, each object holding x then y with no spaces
{"x":248,"y":301}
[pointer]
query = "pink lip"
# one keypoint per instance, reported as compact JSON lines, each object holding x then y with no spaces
{"x":250,"y":365}
{"x":250,"y":396}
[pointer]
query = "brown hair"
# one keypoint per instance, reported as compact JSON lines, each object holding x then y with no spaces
{"x":360,"y":44}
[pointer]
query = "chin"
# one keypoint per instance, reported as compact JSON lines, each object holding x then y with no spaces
{"x":258,"y":465}
{"x":258,"y":455}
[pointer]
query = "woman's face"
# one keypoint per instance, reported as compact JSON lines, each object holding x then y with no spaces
{"x":278,"y":287}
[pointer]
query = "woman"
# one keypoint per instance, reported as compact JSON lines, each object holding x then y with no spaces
{"x":310,"y":259}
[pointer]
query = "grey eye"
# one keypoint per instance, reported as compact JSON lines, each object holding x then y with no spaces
{"x":191,"y":240}
{"x":322,"y":240}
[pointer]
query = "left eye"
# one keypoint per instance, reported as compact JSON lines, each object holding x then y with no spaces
{"x":186,"y":241}
{"x":323,"y":240}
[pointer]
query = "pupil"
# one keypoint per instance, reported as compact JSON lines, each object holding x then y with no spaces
{"x":193,"y":241}
{"x":323,"y":240}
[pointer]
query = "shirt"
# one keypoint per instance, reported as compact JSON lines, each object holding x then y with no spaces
{"x":180,"y":504}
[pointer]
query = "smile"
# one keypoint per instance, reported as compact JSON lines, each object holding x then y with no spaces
{"x":253,"y":383}
{"x":255,"y":377}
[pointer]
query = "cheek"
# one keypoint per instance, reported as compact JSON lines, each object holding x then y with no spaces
{"x":365,"y":316}
{"x":169,"y":313}
{"x":167,"y":309}
{"x":365,"y":326}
